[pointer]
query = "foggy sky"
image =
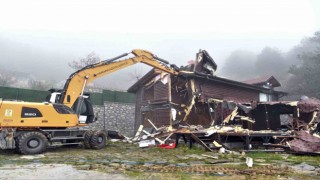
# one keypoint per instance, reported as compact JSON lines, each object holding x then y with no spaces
{"x":41,"y":38}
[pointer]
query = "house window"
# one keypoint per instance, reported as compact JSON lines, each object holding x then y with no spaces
{"x":263,"y":97}
{"x":270,"y":97}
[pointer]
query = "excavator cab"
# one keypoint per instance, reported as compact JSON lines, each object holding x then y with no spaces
{"x":83,"y":107}
{"x":54,"y":96}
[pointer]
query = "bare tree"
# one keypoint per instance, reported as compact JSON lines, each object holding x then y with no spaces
{"x":39,"y":84}
{"x":136,"y":74}
{"x":7,"y":78}
{"x":91,"y":58}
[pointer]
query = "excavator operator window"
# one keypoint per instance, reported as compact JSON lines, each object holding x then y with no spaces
{"x":68,"y":98}
{"x":62,"y":109}
{"x":83,"y":109}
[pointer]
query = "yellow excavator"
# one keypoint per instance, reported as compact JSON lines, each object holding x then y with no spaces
{"x":30,"y":128}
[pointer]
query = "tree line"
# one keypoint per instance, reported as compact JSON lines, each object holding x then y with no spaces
{"x":298,"y":70}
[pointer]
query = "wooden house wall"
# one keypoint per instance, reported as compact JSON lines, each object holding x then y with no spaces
{"x":224,"y":91}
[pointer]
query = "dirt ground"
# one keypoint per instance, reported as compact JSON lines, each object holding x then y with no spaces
{"x":127,"y":161}
{"x":52,"y":171}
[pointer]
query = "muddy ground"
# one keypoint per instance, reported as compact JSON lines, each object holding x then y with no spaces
{"x":127,"y":161}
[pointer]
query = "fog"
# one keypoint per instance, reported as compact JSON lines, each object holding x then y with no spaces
{"x":41,"y":39}
{"x":46,"y":57}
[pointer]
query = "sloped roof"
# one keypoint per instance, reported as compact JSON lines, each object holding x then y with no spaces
{"x":262,"y":80}
{"x":152,"y":73}
{"x":204,"y":74}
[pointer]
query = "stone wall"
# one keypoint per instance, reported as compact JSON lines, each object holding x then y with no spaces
{"x":117,"y":116}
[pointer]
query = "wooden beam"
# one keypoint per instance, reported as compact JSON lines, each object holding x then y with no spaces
{"x":200,"y":142}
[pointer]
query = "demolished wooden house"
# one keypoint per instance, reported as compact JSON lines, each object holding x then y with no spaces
{"x":225,"y":110}
{"x":197,"y":98}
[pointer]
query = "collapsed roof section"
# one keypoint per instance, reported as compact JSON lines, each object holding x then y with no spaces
{"x":204,"y":63}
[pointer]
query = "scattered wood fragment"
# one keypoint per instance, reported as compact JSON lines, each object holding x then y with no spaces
{"x":136,"y":137}
{"x":249,"y":161}
{"x":153,"y":125}
{"x":200,"y":142}
{"x":157,"y":139}
{"x":208,"y":156}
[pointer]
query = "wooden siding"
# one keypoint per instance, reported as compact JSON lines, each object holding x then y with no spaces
{"x":162,"y":117}
{"x":227,"y":92}
{"x":161,"y":91}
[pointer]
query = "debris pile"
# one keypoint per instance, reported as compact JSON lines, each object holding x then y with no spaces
{"x":304,"y":142}
{"x":304,"y":128}
{"x":199,"y":107}
{"x":300,"y":133}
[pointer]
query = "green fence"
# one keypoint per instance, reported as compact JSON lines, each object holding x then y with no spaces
{"x":40,"y":96}
{"x":23,"y":94}
{"x":112,"y":96}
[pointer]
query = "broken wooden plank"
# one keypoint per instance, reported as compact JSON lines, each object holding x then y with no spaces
{"x":192,"y":101}
{"x":208,"y":156}
{"x":163,"y":134}
{"x":157,"y":139}
{"x":136,"y":137}
{"x":152,"y":125}
{"x":200,"y":142}
{"x":231,"y":116}
{"x":167,"y":137}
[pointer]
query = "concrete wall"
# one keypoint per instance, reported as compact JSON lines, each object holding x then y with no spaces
{"x":117,"y":116}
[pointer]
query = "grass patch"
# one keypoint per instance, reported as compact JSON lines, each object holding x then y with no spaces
{"x":120,"y":151}
{"x":311,"y":160}
{"x":268,"y":157}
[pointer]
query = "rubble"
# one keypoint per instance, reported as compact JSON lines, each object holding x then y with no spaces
{"x":147,"y":143}
{"x":304,"y":142}
{"x":221,"y":114}
{"x":302,"y":138}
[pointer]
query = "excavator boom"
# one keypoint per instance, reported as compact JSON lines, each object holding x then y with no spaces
{"x":75,"y":84}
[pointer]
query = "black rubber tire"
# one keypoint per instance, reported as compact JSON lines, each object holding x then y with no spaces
{"x":87,"y":138}
{"x":98,"y":139}
{"x":32,"y":142}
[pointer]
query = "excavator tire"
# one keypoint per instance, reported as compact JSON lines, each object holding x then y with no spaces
{"x":98,"y":139}
{"x":31,"y":142}
{"x":87,"y":138}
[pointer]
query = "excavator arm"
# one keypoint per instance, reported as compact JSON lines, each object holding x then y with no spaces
{"x":75,"y":84}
